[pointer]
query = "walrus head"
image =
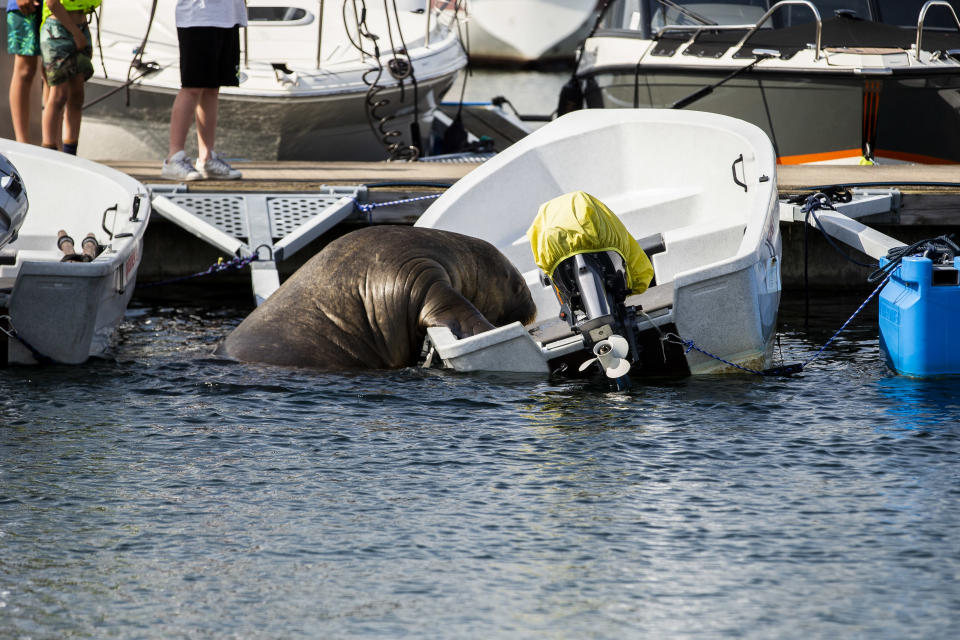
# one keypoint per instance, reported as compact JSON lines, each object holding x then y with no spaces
{"x":488,"y":280}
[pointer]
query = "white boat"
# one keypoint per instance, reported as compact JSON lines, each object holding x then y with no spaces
{"x":697,"y":190}
{"x":830,"y":81}
{"x":66,"y":312}
{"x":527,"y":31}
{"x":307,"y":90}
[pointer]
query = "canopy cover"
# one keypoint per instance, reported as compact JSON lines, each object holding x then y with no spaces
{"x":579,"y":223}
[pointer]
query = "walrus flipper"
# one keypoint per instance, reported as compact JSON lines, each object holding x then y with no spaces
{"x":444,"y":306}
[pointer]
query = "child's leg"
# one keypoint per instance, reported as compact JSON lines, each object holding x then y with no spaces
{"x":73,"y":114}
{"x":24,"y":70}
{"x":53,"y":114}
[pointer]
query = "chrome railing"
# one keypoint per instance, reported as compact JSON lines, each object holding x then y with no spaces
{"x":777,"y":7}
{"x":923,"y":16}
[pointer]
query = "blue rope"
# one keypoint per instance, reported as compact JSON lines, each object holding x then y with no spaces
{"x":785,"y":369}
{"x":236,"y":263}
{"x":368,"y":207}
{"x":844,"y":326}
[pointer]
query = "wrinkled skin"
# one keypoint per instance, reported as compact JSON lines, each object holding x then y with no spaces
{"x":365,"y":301}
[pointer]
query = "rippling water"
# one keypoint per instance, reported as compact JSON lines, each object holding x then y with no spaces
{"x":167,"y":494}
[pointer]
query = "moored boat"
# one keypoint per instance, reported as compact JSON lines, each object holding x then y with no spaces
{"x":319,"y":80}
{"x":697,"y":191}
{"x":524,"y":32}
{"x":828,"y":80}
{"x":67,"y":311}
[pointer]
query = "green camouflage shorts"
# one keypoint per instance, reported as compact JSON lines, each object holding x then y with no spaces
{"x":61,"y":59}
{"x":23,"y":33}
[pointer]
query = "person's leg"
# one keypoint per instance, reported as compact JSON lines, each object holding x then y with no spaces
{"x":181,"y":117}
{"x":73,"y":114}
{"x":24,"y":71}
{"x":53,"y":114}
{"x":224,"y":67}
{"x":207,"y":123}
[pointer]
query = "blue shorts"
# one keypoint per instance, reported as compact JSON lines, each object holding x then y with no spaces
{"x":23,"y":33}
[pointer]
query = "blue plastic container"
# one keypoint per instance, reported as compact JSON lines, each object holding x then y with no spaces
{"x":919,"y":314}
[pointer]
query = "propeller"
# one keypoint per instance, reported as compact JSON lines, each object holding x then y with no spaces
{"x":610,"y":353}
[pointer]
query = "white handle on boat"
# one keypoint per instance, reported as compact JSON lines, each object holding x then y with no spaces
{"x":923,"y":16}
{"x":777,"y":7}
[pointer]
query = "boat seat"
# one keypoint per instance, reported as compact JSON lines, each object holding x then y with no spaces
{"x":654,"y":298}
{"x":36,"y":255}
{"x":652,"y":245}
{"x":550,"y":330}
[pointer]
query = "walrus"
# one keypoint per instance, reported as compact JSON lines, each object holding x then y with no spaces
{"x":366,"y":299}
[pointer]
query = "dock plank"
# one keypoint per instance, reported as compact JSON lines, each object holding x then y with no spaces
{"x":303,"y":176}
{"x":280,"y":176}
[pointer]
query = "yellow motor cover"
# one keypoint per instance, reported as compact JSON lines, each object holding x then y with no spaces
{"x":579,"y":223}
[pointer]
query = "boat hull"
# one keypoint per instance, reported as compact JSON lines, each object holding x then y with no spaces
{"x":810,"y":118}
{"x":326,"y":127}
{"x":525,"y":32}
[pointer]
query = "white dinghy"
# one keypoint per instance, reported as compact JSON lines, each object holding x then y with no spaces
{"x":311,"y":85}
{"x":699,"y":192}
{"x":65,"y":312}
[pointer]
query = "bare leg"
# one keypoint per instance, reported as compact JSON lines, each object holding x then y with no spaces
{"x":181,"y":117}
{"x":207,"y":123}
{"x":74,"y":110}
{"x":24,"y":70}
{"x":53,"y":114}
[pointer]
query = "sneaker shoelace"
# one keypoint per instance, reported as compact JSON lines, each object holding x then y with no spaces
{"x":217,"y":165}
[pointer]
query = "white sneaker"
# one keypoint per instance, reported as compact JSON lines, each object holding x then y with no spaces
{"x":216,"y":168}
{"x":179,"y":167}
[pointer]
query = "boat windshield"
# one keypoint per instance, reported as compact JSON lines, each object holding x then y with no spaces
{"x":649,"y":16}
{"x":905,"y":13}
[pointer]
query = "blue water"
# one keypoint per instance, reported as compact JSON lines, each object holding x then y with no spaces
{"x":166,"y":494}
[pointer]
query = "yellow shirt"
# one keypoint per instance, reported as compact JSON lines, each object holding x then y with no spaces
{"x":72,"y":5}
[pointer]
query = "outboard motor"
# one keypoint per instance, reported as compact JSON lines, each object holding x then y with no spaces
{"x":13,"y":201}
{"x":594,"y":264}
{"x":592,"y":289}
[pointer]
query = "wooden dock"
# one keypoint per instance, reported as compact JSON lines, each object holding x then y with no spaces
{"x":291,"y":175}
{"x":304,"y":176}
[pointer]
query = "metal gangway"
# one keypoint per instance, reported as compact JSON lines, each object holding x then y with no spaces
{"x":266,"y":228}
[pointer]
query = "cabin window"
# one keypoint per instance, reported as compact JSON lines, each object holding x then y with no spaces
{"x":698,"y":12}
{"x":275,"y":15}
{"x":792,"y":15}
{"x":906,"y":13}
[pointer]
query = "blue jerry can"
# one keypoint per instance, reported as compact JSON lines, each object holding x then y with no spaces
{"x":919,"y":308}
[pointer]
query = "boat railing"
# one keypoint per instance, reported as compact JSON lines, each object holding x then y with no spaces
{"x":923,"y":16}
{"x":781,"y":5}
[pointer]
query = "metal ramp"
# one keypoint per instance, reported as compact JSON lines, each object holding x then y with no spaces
{"x":270,"y":226}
